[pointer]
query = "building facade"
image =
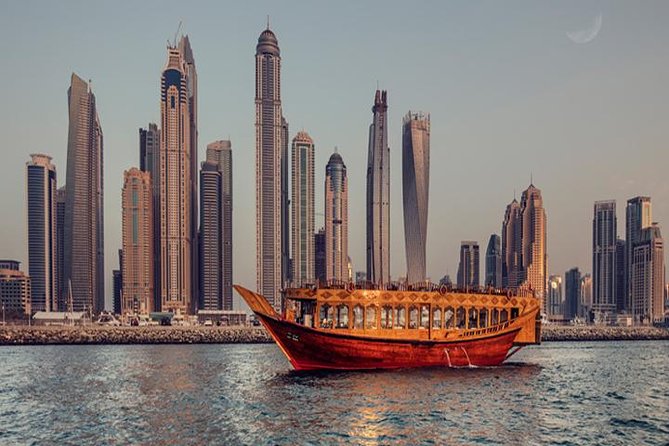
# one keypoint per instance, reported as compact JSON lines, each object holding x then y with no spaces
{"x":512,"y":273}
{"x":149,"y":161}
{"x":302,"y":208}
{"x":60,"y":249}
{"x":647,"y":280}
{"x":216,"y":228}
{"x":533,"y":254}
{"x":378,"y":194}
{"x":117,"y":283}
{"x":620,"y":276}
{"x":493,"y":262}
{"x":638,"y":216}
{"x":555,"y":303}
{"x":604,"y":226}
{"x":137,"y":265}
{"x":175,"y":210}
{"x":41,"y":191}
{"x":468,"y":268}
{"x":83,"y":262}
{"x":271,"y":171}
{"x":585,"y":298}
{"x":336,"y":219}
{"x":14,"y":290}
{"x":319,"y":255}
{"x":572,"y":288}
{"x":415,"y":191}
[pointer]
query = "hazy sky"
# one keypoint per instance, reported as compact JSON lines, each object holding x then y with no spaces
{"x":510,"y":95}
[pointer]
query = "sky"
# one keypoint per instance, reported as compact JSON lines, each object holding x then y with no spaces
{"x":511,"y":97}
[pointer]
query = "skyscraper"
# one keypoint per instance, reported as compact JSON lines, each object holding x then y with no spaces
{"x":319,"y":248}
{"x":336,"y":219}
{"x":83,"y":263}
{"x":117,"y":278}
{"x":638,"y":216}
{"x":554,"y":298}
{"x":191,"y":93}
{"x":216,"y":228}
{"x":42,"y":249}
{"x":572,"y":287}
{"x":271,"y":172}
{"x":175,"y":212}
{"x":60,"y":249}
{"x":468,"y":268}
{"x":512,"y":274}
{"x":533,"y":253}
{"x":137,"y":265}
{"x":415,"y":191}
{"x":149,"y":161}
{"x":620,"y":277}
{"x":493,"y":262}
{"x":604,"y":259}
{"x":647,"y":280}
{"x":585,"y":297}
{"x":302,"y":206}
{"x":378,"y":194}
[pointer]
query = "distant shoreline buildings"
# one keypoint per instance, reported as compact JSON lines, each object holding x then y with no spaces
{"x":177,"y":235}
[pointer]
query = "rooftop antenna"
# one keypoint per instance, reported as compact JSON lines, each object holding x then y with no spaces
{"x":531,"y":179}
{"x":267,"y":21}
{"x":514,"y":194}
{"x":176,"y":34}
{"x":336,"y":149}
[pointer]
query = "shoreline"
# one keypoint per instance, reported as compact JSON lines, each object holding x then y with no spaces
{"x":96,"y":335}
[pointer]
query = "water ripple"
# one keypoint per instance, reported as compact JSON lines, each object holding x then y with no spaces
{"x":567,"y":393}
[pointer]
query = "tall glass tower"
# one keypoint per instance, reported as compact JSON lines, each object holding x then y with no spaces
{"x":302,"y":207}
{"x":415,"y":191}
{"x":271,"y":172}
{"x":42,"y":249}
{"x":378,"y":194}
{"x":604,"y":225}
{"x":336,"y":219}
{"x":83,"y":267}
{"x":175,"y":179}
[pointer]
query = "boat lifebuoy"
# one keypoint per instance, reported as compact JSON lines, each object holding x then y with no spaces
{"x":350,"y":287}
{"x":442,"y":289}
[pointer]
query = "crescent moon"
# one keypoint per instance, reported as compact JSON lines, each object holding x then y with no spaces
{"x":589,"y":34}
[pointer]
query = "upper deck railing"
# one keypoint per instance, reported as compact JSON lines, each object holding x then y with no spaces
{"x":315,"y":284}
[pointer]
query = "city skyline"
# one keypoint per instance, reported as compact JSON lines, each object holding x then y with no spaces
{"x":443,"y":231}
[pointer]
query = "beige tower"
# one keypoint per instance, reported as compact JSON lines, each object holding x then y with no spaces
{"x":138,"y":278}
{"x":175,"y":207}
{"x":336,"y":219}
{"x":533,"y":252}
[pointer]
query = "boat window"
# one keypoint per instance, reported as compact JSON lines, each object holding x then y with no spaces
{"x":461,"y":318}
{"x":494,"y":316}
{"x":449,"y":318}
{"x":326,"y":316}
{"x":503,"y":316}
{"x":436,"y":318}
{"x":425,"y":316}
{"x":400,"y":317}
{"x":386,"y":316}
{"x":483,"y":318}
{"x":413,"y":317}
{"x":473,"y":318}
{"x":370,"y":318}
{"x":514,"y":313}
{"x":342,"y":316}
{"x":358,"y":316}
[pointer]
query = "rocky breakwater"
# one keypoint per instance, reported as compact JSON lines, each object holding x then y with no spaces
{"x":601,"y":333}
{"x":22,"y":335}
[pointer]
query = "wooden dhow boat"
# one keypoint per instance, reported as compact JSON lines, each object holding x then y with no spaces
{"x":343,"y":327}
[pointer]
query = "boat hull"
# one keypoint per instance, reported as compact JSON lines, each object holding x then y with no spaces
{"x":311,"y":349}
